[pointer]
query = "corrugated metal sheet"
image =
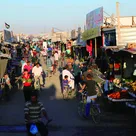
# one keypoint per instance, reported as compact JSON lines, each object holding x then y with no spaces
{"x":128,"y":35}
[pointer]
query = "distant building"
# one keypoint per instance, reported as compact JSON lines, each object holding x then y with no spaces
{"x":60,"y":36}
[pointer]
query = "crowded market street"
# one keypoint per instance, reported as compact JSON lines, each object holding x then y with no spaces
{"x":64,"y":114}
{"x":67,"y":68}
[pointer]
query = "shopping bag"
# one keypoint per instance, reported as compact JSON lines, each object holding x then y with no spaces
{"x":33,"y":129}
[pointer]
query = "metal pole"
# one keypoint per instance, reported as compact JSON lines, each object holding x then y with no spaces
{"x":118,"y":22}
{"x":95,"y":48}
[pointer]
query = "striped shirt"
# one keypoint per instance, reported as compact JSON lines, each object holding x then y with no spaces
{"x":34,"y":111}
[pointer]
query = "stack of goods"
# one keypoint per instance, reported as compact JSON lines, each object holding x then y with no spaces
{"x":117,"y":82}
{"x":132,"y":92}
{"x":132,"y":88}
{"x":120,"y":96}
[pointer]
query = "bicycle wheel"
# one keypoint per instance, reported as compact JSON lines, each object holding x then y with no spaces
{"x":95,"y":113}
{"x":81,"y":109}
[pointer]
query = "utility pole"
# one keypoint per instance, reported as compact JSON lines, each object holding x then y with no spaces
{"x":52,"y":31}
{"x":118,"y":22}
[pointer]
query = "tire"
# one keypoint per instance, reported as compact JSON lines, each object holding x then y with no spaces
{"x":95,"y":113}
{"x":81,"y":109}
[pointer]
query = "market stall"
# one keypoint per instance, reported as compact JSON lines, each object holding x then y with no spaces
{"x":121,"y":80}
{"x":132,"y":93}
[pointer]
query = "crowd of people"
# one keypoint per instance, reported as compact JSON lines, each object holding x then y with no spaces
{"x":75,"y":77}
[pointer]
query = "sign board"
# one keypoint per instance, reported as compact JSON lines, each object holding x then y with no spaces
{"x":7,"y":36}
{"x":90,"y":34}
{"x":94,"y":18}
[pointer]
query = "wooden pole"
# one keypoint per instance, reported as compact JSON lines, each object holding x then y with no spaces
{"x":95,"y":48}
{"x":133,"y":21}
{"x":118,"y":22}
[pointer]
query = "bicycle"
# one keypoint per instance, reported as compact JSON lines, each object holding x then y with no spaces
{"x":34,"y":129}
{"x":66,"y":92}
{"x":19,"y":83}
{"x":94,"y":109}
{"x":36,"y":84}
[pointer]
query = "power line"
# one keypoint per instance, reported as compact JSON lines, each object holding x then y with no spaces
{"x":114,"y":19}
{"x":57,"y":29}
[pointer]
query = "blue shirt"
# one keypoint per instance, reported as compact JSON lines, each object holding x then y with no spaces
{"x":64,"y":83}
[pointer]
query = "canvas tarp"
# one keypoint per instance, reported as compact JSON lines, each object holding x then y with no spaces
{"x":97,"y":76}
{"x":3,"y":66}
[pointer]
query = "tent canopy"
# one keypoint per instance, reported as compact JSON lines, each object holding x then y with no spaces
{"x":3,"y":66}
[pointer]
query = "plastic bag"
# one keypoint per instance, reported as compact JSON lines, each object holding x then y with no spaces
{"x":33,"y":129}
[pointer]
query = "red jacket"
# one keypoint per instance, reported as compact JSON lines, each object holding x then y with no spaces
{"x":25,"y":78}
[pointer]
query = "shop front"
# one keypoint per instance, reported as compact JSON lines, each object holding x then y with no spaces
{"x":109,"y":36}
{"x":120,"y":86}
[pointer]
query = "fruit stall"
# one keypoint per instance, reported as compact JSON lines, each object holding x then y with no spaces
{"x":132,"y":93}
{"x":121,"y":80}
{"x":122,"y":90}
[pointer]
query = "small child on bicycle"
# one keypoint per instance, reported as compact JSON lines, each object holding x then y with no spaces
{"x":65,"y":85}
{"x":90,"y":87}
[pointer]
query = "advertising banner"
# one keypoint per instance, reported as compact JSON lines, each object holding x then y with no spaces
{"x":94,"y":19}
{"x":90,"y":34}
{"x":7,"y":36}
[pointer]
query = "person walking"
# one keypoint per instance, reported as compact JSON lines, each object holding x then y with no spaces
{"x":49,"y":66}
{"x":28,"y":66}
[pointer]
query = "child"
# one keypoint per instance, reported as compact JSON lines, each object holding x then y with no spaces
{"x":7,"y":87}
{"x":65,"y":85}
{"x":27,"y":85}
{"x":7,"y":81}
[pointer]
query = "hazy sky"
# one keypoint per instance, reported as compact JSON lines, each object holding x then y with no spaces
{"x":36,"y":16}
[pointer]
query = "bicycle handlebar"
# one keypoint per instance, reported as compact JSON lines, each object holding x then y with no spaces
{"x":45,"y":124}
{"x":83,"y":93}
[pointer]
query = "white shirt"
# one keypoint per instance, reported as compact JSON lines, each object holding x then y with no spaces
{"x":52,"y":59}
{"x":59,"y":53}
{"x":37,"y":71}
{"x":66,"y":72}
{"x":31,"y":53}
{"x":23,"y":66}
{"x":56,"y":56}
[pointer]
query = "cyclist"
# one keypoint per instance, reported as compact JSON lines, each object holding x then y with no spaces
{"x":90,"y":87}
{"x":33,"y":111}
{"x":37,"y":72}
{"x":89,"y":71}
